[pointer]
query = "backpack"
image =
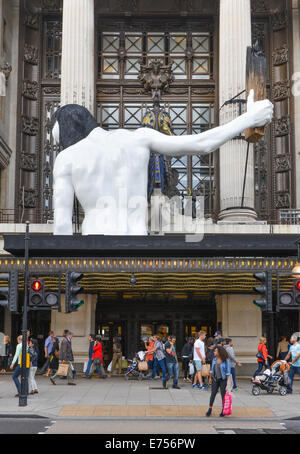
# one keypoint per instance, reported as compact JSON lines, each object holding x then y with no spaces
{"x":209,"y":355}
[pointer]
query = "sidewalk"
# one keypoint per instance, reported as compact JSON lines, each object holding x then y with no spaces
{"x":116,"y":397}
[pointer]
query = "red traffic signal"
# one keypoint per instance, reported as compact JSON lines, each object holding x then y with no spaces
{"x":36,"y":286}
{"x":297,"y":285}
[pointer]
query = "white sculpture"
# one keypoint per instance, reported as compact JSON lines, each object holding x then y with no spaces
{"x":108,"y":170}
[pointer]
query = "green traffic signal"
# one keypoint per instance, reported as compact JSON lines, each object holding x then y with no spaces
{"x":264,"y":290}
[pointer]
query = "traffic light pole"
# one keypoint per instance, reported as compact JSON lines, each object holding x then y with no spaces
{"x":24,"y":378}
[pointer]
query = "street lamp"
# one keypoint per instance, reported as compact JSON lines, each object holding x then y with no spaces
{"x":296,"y":269}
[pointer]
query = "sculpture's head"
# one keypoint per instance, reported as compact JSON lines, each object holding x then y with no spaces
{"x":72,"y":123}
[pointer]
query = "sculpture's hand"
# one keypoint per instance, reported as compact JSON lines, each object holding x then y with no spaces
{"x":259,"y":113}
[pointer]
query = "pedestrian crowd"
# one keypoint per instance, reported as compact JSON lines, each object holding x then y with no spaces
{"x":205,"y":362}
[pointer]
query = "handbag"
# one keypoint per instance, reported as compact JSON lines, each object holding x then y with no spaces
{"x":143,"y":366}
{"x":63,"y":369}
{"x":205,"y":370}
{"x":227,"y":404}
{"x":259,"y":355}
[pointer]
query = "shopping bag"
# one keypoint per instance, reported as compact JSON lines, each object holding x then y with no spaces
{"x":63,"y":369}
{"x":191,"y":369}
{"x":109,"y":367}
{"x":143,"y":366}
{"x":205,"y":370}
{"x":227,"y":404}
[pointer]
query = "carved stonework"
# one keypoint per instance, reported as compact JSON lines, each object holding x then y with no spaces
{"x":52,"y":90}
{"x":282,"y":126}
{"x":28,"y":198}
{"x":281,"y":56}
{"x":279,"y":21}
{"x":281,"y":90}
{"x":283,"y":200}
{"x":51,"y":5}
{"x":6,"y":68}
{"x":156,"y":77}
{"x":282,"y":164}
{"x":31,"y":54}
{"x":31,"y":21}
{"x":30,"y":89}
{"x":30,"y":125}
{"x":28,"y":162}
{"x":258,"y":6}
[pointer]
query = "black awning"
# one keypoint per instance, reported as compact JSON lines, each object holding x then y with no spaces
{"x":153,"y":246}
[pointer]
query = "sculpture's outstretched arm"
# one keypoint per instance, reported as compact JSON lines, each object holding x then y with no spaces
{"x":63,"y":196}
{"x":258,"y":114}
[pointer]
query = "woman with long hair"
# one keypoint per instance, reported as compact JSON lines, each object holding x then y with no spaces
{"x":262,"y":356}
{"x":220,"y":371}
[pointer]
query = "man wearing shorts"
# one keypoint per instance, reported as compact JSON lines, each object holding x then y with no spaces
{"x":199,"y":359}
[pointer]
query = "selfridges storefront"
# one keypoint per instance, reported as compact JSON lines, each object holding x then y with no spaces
{"x":178,"y":290}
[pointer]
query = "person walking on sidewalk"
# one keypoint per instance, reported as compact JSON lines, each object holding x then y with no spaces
{"x":149,"y":355}
{"x":221,"y":374}
{"x":97,"y":359}
{"x":91,"y":352}
{"x":17,"y":372}
{"x":171,"y":362}
{"x":47,"y":350}
{"x":262,"y":356}
{"x":199,"y":359}
{"x":33,"y":351}
{"x":233,"y":361}
{"x":159,"y":354}
{"x":187,"y":358}
{"x":294,"y":353}
{"x":282,"y":348}
{"x":117,"y":355}
{"x":7,"y":354}
{"x":66,"y":356}
{"x":54,"y":356}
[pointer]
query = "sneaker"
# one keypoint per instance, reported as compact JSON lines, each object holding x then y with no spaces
{"x":176,"y":387}
{"x":196,"y":386}
{"x":203,"y":387}
{"x":236,"y":389}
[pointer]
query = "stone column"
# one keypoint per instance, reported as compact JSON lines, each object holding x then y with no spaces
{"x":78,"y":65}
{"x":235,"y":36}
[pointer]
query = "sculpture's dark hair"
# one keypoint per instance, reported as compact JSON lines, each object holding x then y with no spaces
{"x":75,"y":124}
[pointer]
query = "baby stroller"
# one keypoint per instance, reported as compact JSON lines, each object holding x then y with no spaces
{"x":275,"y":378}
{"x":138,"y":367}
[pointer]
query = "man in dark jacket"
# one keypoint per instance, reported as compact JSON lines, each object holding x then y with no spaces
{"x":187,"y":357}
{"x":66,"y":357}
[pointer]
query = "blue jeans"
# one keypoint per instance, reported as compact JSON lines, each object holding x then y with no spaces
{"x":261,"y":365}
{"x":88,"y":367}
{"x":16,"y":374}
{"x":173,"y":369}
{"x":293,"y":370}
{"x":162,"y":365}
{"x":233,"y":373}
{"x":155,"y":368}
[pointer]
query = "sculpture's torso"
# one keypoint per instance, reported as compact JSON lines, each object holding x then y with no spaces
{"x":109,"y":174}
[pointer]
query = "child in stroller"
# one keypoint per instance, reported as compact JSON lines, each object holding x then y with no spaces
{"x":276,"y":377}
{"x":135,"y":369}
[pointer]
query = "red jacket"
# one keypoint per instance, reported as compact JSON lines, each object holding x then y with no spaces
{"x":264,"y":351}
{"x":98,"y":352}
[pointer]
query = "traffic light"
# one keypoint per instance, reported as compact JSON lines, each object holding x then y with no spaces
{"x":9,"y":294}
{"x":72,"y":290}
{"x":41,"y":298}
{"x":36,"y":293}
{"x":289,"y":299}
{"x":264,"y":290}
